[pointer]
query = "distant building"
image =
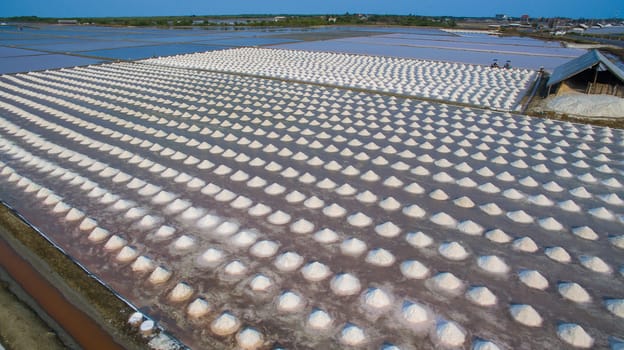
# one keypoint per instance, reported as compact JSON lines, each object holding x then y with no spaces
{"x":67,"y":21}
{"x":501,"y":17}
{"x":279,"y":18}
{"x":524,"y":19}
{"x":198,"y":21}
{"x":591,"y":73}
{"x":331,"y":19}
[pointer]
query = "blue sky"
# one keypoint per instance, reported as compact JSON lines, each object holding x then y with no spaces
{"x":100,"y":8}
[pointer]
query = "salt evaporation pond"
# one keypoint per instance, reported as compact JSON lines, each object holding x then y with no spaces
{"x":456,"y":82}
{"x":239,"y":211}
{"x":456,"y":46}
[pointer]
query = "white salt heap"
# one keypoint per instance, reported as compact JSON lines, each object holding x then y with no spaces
{"x":414,"y":211}
{"x":585,"y":232}
{"x":573,"y":292}
{"x":164,"y":232}
{"x":244,"y":239}
{"x":366,"y":197}
{"x":533,"y":279}
{"x":550,"y":224}
{"x":470,"y":227}
{"x":184,"y":242}
{"x":376,"y":298}
{"x":439,"y":195}
{"x":415,"y":313}
{"x":353,"y":246}
{"x":574,"y":335}
{"x":444,"y":219}
{"x":520,"y":216}
{"x":334,"y":211}
{"x":127,"y":254}
{"x":481,"y":295}
{"x":418,"y":239}
{"x":115,"y":243}
{"x":142,"y":264}
{"x":264,"y":249}
{"x":453,"y":251}
{"x":380,"y":257}
{"x":289,"y":302}
{"x":279,"y":218}
{"x":210,"y":257}
{"x":259,"y":210}
{"x":260,"y":283}
{"x":390,"y":204}
{"x":159,"y":275}
{"x":345,"y":284}
{"x":315,"y":271}
{"x":352,"y":335}
{"x":208,"y":221}
{"x":498,"y":236}
{"x":449,"y":334}
{"x":525,"y":244}
{"x":586,"y":105}
{"x":558,"y":254}
{"x":326,"y":236}
{"x":225,"y":324}
{"x":388,"y":229}
{"x":493,"y":264}
{"x":446,"y":281}
{"x":235,"y":268}
{"x":288,"y":261}
{"x":198,"y":308}
{"x":249,"y":339}
{"x":319,"y":320}
{"x":594,"y":263}
{"x":616,"y":306}
{"x":414,"y":269}
{"x":526,"y":315}
{"x":314,"y":202}
{"x":464,"y":202}
{"x":181,"y":292}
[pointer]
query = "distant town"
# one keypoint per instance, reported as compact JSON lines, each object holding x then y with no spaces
{"x":554,"y":25}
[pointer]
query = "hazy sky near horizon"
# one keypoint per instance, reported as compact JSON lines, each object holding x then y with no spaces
{"x":475,"y":8}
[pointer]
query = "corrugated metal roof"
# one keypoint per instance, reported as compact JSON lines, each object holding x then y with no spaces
{"x":582,"y":63}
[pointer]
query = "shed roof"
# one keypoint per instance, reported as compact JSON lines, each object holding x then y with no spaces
{"x":581,"y":63}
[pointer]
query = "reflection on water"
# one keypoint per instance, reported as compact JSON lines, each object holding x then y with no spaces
{"x":140,"y":52}
{"x":109,"y":43}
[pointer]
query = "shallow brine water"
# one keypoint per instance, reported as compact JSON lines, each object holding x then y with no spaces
{"x":227,"y":206}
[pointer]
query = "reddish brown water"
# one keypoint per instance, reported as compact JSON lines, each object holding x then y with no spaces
{"x":84,"y":330}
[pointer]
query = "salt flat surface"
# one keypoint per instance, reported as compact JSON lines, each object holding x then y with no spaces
{"x":456,"y":82}
{"x":471,"y":48}
{"x":246,"y":212}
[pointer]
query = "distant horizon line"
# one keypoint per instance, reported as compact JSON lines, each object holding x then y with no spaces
{"x":309,"y":15}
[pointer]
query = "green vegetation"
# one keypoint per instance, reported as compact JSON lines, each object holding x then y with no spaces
{"x":250,"y":20}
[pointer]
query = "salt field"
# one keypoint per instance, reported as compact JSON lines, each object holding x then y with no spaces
{"x":456,"y":46}
{"x":455,"y":82}
{"x":270,"y":206}
{"x":53,"y":46}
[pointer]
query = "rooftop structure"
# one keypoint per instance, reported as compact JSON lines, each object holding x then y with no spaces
{"x":592,"y":73}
